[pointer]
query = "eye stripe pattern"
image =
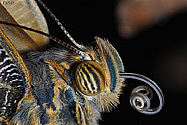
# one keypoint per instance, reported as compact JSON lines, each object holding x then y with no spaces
{"x":89,"y":78}
{"x":94,"y":74}
{"x":90,"y":73}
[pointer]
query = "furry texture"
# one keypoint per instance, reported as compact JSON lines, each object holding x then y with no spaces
{"x":53,"y":97}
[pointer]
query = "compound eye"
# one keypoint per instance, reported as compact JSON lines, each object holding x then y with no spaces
{"x":89,"y":78}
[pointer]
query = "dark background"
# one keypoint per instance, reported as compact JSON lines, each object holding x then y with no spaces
{"x":158,"y":52}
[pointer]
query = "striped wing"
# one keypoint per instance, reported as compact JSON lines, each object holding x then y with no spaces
{"x":14,"y":75}
{"x":14,"y":78}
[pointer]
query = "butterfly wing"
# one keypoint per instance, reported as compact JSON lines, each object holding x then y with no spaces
{"x":14,"y":78}
{"x":26,"y":13}
{"x":14,"y":75}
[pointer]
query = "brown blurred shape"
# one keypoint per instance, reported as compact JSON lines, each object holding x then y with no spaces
{"x":134,"y":15}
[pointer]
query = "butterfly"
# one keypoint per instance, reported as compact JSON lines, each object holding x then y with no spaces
{"x":65,"y":85}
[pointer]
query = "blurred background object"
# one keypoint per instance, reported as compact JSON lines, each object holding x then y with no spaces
{"x":157,"y":32}
{"x":155,"y":47}
{"x":135,"y":15}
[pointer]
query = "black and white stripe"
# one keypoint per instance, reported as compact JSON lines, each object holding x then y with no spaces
{"x":9,"y":73}
{"x":11,"y":85}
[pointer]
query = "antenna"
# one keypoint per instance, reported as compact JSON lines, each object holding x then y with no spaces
{"x":60,"y":25}
{"x":83,"y":54}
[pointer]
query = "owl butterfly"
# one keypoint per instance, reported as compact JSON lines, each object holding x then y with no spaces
{"x":69,"y":85}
